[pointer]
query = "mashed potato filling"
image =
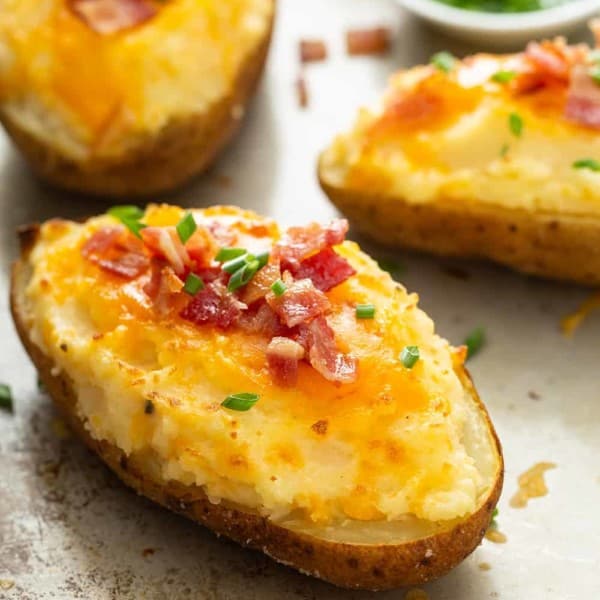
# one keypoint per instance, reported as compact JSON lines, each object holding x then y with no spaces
{"x":389,"y":446}
{"x":89,"y":93}
{"x":463,"y":150}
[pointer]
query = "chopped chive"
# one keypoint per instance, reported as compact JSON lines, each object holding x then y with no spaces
{"x":595,"y":74}
{"x":391,"y":266}
{"x":241,"y":402}
{"x":193,"y":284}
{"x":365,"y":311}
{"x":186,"y":227}
{"x":503,"y":76}
{"x":263,"y":259}
{"x":409,"y":356}
{"x":515,"y":123}
{"x":474,"y":341}
{"x":443,"y":61}
{"x":127,"y":211}
{"x":587,"y":163}
{"x":495,"y":512}
{"x":278,"y":287}
{"x":231,"y":266}
{"x":493,"y":522}
{"x":6,"y":400}
{"x":134,"y":226}
{"x":241,"y":277}
{"x":504,"y":150}
{"x":149,"y":407}
{"x":226,"y":254}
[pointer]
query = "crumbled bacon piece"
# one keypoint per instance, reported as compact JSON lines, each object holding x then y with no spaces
{"x":215,"y":305}
{"x":111,"y":16}
{"x":549,"y":58}
{"x":261,"y":319}
{"x":326,"y":269}
{"x":261,"y":283}
{"x":302,"y":91}
{"x":368,"y":41}
{"x":300,"y":302}
{"x":201,"y":247}
{"x":283,"y":355}
{"x":312,"y":50}
{"x":162,"y":287}
{"x":300,"y":242}
{"x":318,"y":337}
{"x":115,"y":251}
{"x":583,"y":99}
{"x":165,"y":242}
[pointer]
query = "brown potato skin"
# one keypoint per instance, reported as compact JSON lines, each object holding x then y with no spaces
{"x":550,"y":245}
{"x":159,"y":163}
{"x":354,"y":566}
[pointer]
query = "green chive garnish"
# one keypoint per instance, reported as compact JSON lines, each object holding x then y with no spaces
{"x":193,"y":284}
{"x":444,"y":61}
{"x":409,"y":356}
{"x":6,"y":400}
{"x":231,"y":266}
{"x":226,"y":254}
{"x":127,"y":211}
{"x":130,"y":216}
{"x":240,"y":402}
{"x":515,"y":123}
{"x":278,"y":287}
{"x":595,"y":73}
{"x":587,"y":163}
{"x":263,"y":259}
{"x":365,"y":311}
{"x":474,"y":341}
{"x":186,"y":227}
{"x":242,"y":276}
{"x":504,"y":150}
{"x":503,"y":76}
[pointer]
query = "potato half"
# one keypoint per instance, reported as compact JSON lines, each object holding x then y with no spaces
{"x":386,"y":481}
{"x":488,"y":157}
{"x":132,"y":111}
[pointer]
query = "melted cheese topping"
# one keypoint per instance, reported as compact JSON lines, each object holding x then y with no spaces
{"x":93,"y":94}
{"x":385,"y":447}
{"x":446,"y":137}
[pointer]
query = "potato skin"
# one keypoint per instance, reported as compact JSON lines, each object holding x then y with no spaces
{"x":553,"y":246}
{"x":183,"y":148}
{"x":353,"y":566}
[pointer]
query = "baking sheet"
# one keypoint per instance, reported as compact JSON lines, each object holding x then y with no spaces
{"x":69,"y":529}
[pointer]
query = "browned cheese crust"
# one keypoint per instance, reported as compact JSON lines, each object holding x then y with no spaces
{"x":549,"y":245}
{"x":360,"y":566}
{"x":162,"y":162}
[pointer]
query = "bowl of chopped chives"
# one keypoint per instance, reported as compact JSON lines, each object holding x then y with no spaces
{"x":504,"y":22}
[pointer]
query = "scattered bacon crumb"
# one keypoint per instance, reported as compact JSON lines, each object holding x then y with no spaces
{"x":368,"y":41}
{"x":111,"y":16}
{"x":215,"y":305}
{"x":301,"y":91}
{"x":283,"y":355}
{"x":300,"y":303}
{"x":326,"y":269}
{"x":312,"y":50}
{"x":320,"y":427}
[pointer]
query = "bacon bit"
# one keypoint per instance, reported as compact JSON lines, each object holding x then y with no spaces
{"x":326,"y":269}
{"x":222,"y":234}
{"x":201,"y":247}
{"x":260,"y":284}
{"x":323,"y":353}
{"x":300,"y":242}
{"x":162,"y":286}
{"x":302,"y":91}
{"x":111,"y":16}
{"x":549,"y":58}
{"x":213,"y":304}
{"x":300,"y":303}
{"x":320,"y":427}
{"x":165,"y":242}
{"x":117,"y":252}
{"x":283,"y":355}
{"x":368,"y":41}
{"x":312,"y":50}
{"x":261,"y":319}
{"x":583,"y":99}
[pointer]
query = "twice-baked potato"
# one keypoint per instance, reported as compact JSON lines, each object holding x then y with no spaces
{"x":128,"y":97}
{"x":493,"y":156}
{"x":280,"y":389}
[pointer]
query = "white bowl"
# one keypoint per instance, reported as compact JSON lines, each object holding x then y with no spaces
{"x":506,"y":29}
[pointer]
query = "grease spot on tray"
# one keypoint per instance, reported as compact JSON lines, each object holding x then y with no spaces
{"x":531,"y":484}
